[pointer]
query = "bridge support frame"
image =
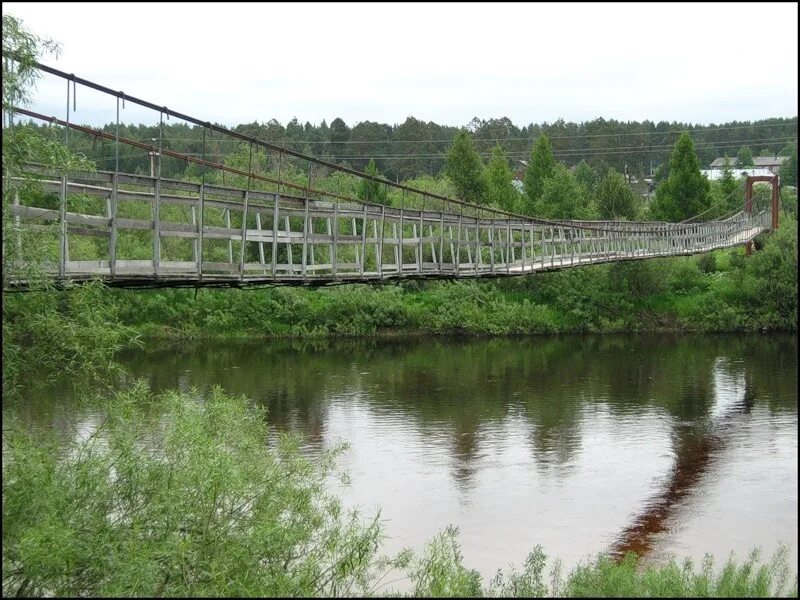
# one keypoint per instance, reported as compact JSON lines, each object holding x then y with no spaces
{"x":748,"y":195}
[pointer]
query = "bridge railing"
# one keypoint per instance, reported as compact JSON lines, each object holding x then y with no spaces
{"x":131,"y":229}
{"x":134,"y":229}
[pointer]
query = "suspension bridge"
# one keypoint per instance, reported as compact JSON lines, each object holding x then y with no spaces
{"x":134,"y":230}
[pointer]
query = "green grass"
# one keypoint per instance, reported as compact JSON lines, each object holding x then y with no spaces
{"x":725,"y":293}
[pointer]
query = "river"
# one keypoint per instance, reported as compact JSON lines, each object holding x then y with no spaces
{"x":663,"y":444}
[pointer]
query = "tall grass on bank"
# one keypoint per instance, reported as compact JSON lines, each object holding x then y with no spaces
{"x":177,"y":495}
{"x":722,"y":291}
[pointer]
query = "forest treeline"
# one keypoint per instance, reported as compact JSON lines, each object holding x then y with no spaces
{"x":415,"y":148}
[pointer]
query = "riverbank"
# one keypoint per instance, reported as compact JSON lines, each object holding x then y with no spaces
{"x":719,"y":292}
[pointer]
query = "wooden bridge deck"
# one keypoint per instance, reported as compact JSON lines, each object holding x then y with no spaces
{"x":199,"y":234}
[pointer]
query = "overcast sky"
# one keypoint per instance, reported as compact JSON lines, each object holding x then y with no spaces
{"x":235,"y":63}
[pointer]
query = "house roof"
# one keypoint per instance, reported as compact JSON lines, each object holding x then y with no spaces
{"x":758,"y":161}
{"x":715,"y":174}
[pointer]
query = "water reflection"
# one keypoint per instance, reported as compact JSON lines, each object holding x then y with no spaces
{"x":583,"y":444}
{"x":697,"y":445}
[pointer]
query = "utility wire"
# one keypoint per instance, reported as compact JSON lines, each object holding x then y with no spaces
{"x":509,"y":139}
{"x":569,"y":152}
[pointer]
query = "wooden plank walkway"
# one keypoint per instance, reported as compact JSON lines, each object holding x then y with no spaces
{"x":216,"y":235}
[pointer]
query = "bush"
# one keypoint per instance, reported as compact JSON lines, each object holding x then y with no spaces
{"x":201,"y":508}
{"x":637,"y":279}
{"x":774,"y":269}
{"x":685,"y":277}
{"x":707,"y":262}
{"x":73,"y":331}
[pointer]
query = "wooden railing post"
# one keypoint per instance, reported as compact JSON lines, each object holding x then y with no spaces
{"x":244,"y":234}
{"x":112,"y":243}
{"x":62,"y":253}
{"x":275,"y":222}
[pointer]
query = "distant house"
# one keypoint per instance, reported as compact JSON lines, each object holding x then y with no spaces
{"x":771,"y":163}
{"x":714,"y":174}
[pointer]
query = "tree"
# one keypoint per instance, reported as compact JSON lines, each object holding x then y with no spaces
{"x":369,"y":133}
{"x":20,"y":74}
{"x":339,"y":132}
{"x":501,"y":191}
{"x":561,"y":197}
{"x":542,"y":165}
{"x":729,"y":186}
{"x":661,"y":173}
{"x":744,"y":158}
{"x":372,"y":191}
{"x":585,"y":176}
{"x":51,"y":327}
{"x":465,"y":170}
{"x":788,"y":171}
{"x":685,"y":193}
{"x":615,"y":200}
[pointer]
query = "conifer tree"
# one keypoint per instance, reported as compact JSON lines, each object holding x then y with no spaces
{"x":371,"y":191}
{"x":465,"y":169}
{"x":502,"y":192}
{"x":686,"y":192}
{"x":788,"y":171}
{"x":542,"y":165}
{"x":729,"y":186}
{"x":615,"y":199}
{"x":744,"y":158}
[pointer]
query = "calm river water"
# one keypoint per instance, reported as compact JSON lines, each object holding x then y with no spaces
{"x":663,"y":444}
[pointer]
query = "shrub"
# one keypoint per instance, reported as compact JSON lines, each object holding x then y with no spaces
{"x":707,"y":262}
{"x":201,"y":508}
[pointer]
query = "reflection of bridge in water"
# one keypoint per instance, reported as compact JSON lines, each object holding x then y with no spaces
{"x":272,"y":231}
{"x":696,"y":451}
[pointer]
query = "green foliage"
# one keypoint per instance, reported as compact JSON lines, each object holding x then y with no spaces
{"x":74,"y":331}
{"x":732,"y":197}
{"x":586,"y":177}
{"x":561,"y":197}
{"x":20,"y":74}
{"x":465,"y":170}
{"x":372,"y":191}
{"x":661,"y":173}
{"x":788,"y":170}
{"x":636,"y":279}
{"x":21,"y":144}
{"x":788,"y":203}
{"x":685,"y":276}
{"x":501,"y":191}
{"x":440,"y":572}
{"x":744,"y":158}
{"x":774,"y":270}
{"x":685,"y":193}
{"x":541,"y":166}
{"x":707,"y":262}
{"x":604,"y":578}
{"x":615,"y":199}
{"x":203,"y":507}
